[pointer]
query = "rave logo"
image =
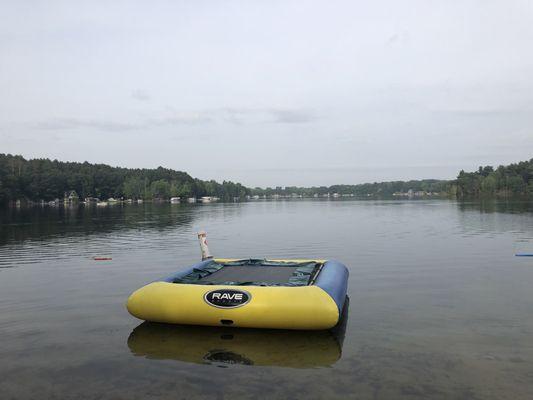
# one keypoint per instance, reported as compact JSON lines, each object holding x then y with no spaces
{"x":227,"y":298}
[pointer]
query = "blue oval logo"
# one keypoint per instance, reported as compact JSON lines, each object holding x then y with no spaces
{"x":227,"y":298}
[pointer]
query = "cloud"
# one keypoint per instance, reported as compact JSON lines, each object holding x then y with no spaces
{"x":236,"y":116}
{"x":76,"y":123}
{"x":182,"y":118}
{"x":479,"y":111}
{"x":266,"y":115}
{"x":58,"y":124}
{"x":392,"y":39}
{"x":397,"y":37}
{"x":281,"y":116}
{"x":140,"y":95}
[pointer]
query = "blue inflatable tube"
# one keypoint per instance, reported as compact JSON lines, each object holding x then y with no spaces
{"x":333,"y":279}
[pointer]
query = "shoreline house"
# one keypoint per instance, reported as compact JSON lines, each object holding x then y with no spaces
{"x":70,"y":197}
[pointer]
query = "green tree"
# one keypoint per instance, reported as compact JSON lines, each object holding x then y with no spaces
{"x":160,"y":189}
{"x":185,"y":190}
{"x":133,"y":188}
{"x":489,"y":184}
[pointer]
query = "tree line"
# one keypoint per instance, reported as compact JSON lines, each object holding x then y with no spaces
{"x":510,"y":180}
{"x":44,"y":179}
{"x":513,"y":179}
{"x":376,"y":189}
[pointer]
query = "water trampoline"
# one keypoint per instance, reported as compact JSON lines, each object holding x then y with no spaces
{"x":302,"y":294}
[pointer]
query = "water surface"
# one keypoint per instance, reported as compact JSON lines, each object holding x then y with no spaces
{"x":439,"y":306}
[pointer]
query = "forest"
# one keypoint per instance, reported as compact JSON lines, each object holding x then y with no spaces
{"x":38,"y":180}
{"x":512,"y":179}
{"x":43,"y":179}
{"x":376,"y":189}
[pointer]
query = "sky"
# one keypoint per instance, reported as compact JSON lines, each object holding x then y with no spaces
{"x":270,"y":93}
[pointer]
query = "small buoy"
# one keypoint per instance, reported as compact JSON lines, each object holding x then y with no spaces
{"x":102,"y":258}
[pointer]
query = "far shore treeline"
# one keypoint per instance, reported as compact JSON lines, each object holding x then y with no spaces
{"x":38,"y":180}
{"x":510,"y":180}
{"x":43,"y":179}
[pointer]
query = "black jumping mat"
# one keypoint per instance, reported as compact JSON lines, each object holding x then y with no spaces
{"x":252,"y":272}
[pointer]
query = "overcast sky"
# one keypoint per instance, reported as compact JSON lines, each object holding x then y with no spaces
{"x":270,"y":92}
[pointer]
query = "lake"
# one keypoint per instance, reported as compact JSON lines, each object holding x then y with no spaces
{"x":439,"y":306}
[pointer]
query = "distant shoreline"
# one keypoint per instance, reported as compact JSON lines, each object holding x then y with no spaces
{"x":43,"y":181}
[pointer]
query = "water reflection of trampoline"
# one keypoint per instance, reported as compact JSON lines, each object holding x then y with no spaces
{"x":214,"y":345}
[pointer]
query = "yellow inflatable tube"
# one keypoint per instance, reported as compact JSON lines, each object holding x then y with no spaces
{"x":306,"y":307}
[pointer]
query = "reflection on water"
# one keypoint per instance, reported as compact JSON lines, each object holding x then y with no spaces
{"x":440,"y":307}
{"x":497,"y":206}
{"x":56,"y":232}
{"x":259,"y":347}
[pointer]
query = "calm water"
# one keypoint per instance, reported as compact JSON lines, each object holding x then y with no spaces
{"x":439,"y":306}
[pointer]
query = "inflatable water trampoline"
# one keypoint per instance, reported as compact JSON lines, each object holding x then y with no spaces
{"x":251,"y":293}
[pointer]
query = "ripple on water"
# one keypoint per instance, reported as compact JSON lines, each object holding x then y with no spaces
{"x":438,"y":309}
